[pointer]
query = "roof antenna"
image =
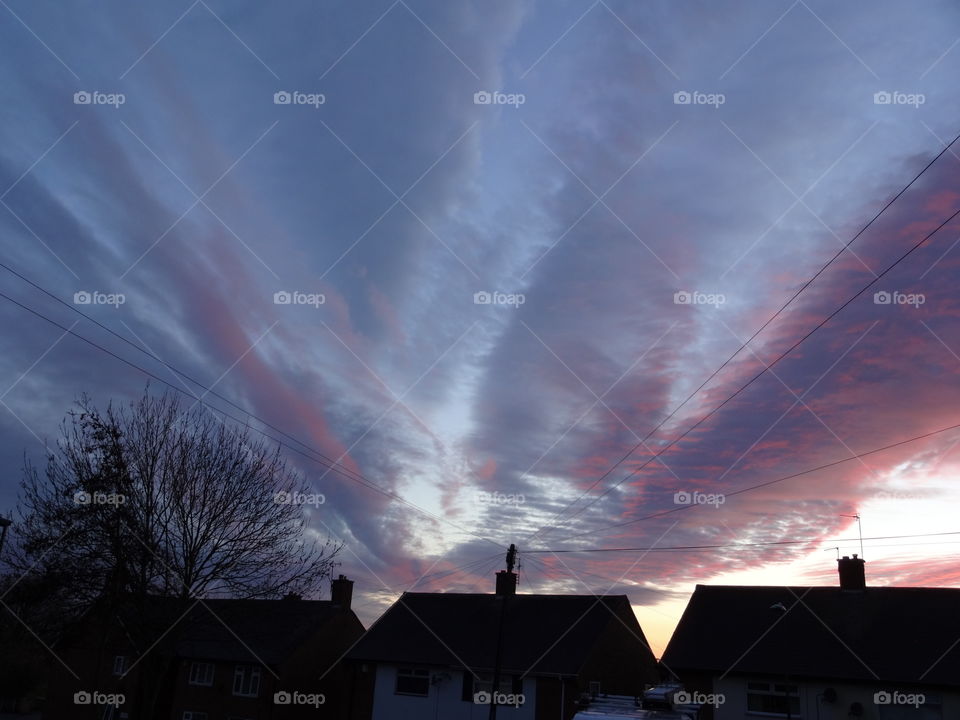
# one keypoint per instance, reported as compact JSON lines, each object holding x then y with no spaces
{"x":859,"y":529}
{"x":834,"y":548}
{"x":511,"y":557}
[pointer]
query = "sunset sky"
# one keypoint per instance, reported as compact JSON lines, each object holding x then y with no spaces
{"x":637,"y":187}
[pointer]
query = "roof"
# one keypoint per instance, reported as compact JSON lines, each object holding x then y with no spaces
{"x":883,"y":634}
{"x":253,"y":630}
{"x":543,"y":634}
{"x":236,"y":630}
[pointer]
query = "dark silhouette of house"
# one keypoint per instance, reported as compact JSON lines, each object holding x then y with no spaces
{"x":435,"y":654}
{"x":822,"y":652}
{"x":211,"y":660}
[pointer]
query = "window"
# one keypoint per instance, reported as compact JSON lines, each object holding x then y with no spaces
{"x":773,"y":699}
{"x":413,"y":681}
{"x":119,"y":664}
{"x":194,"y":715}
{"x":246,"y":681}
{"x":483,"y":683}
{"x":201,"y":673}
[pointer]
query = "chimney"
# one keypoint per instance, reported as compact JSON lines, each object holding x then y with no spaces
{"x":507,"y":579}
{"x":506,"y":583}
{"x":851,"y":571}
{"x":341,"y":592}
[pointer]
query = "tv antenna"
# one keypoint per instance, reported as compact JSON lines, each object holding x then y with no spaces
{"x":859,"y":529}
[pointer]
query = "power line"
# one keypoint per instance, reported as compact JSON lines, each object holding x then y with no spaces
{"x":470,"y":566}
{"x":355,"y":477}
{"x":767,"y":483}
{"x":740,"y":349}
{"x":687,"y":548}
{"x":768,"y":366}
{"x":171,"y":367}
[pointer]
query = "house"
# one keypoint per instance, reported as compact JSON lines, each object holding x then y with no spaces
{"x":821,"y":653}
{"x":436,"y":655}
{"x":216,"y":659}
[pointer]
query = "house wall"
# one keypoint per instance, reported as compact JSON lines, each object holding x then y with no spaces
{"x":88,"y":667}
{"x":218,"y":700}
{"x":443,"y":701}
{"x":813,"y":707}
{"x":317,"y":667}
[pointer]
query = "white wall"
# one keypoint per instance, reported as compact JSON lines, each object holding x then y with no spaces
{"x":443,"y":702}
{"x":734,"y":690}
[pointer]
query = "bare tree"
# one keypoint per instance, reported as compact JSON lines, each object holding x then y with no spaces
{"x":159,"y":498}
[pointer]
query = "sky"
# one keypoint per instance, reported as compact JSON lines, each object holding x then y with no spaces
{"x":484,"y":254}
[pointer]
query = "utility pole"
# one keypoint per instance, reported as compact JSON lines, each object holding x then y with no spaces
{"x":511,"y":563}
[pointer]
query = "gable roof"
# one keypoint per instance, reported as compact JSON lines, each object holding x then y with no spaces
{"x":255,"y":631}
{"x":543,"y":634}
{"x":884,"y":634}
{"x":232,"y":630}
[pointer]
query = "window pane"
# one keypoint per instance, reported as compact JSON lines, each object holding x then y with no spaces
{"x":413,"y":681}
